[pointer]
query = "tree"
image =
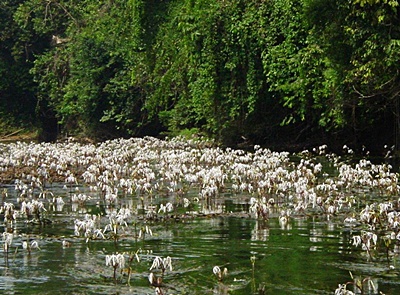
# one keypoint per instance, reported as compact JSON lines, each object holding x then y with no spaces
{"x":360,"y":41}
{"x":18,"y":102}
{"x":208,"y":73}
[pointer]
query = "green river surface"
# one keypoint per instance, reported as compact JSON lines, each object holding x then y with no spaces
{"x":310,"y":255}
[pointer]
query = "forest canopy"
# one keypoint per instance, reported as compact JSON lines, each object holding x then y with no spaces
{"x":269,"y":72}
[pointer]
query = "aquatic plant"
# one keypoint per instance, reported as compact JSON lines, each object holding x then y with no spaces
{"x":4,"y":195}
{"x":30,"y":245}
{"x":253,"y":264}
{"x":364,"y":286}
{"x":132,"y":257}
{"x":80,"y":198}
{"x":33,"y":210}
{"x":259,"y":208}
{"x":143,"y":231}
{"x":10,"y":214}
{"x":154,"y":280}
{"x":89,"y":227}
{"x":284,"y":218}
{"x":7,"y":241}
{"x":116,"y":261}
{"x":168,"y":207}
{"x":157,"y":282}
{"x":367,"y":240}
{"x":220,"y":274}
{"x":162,"y":264}
{"x":125,"y":187}
{"x":117,"y":220}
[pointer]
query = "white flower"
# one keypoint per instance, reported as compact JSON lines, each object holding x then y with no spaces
{"x":66,"y":244}
{"x":216,"y":270}
{"x":156,"y":263}
{"x":186,"y":202}
{"x":163,"y":264}
{"x":98,"y":233}
{"x":220,"y":274}
{"x":350,"y":220}
{"x":331,"y":209}
{"x":356,"y":240}
{"x":33,"y":245}
{"x":341,"y":290}
{"x":60,"y":201}
{"x":151,"y":278}
{"x":7,"y":238}
{"x":9,"y":213}
{"x":167,"y":262}
{"x":148,"y":230}
{"x":115,"y":260}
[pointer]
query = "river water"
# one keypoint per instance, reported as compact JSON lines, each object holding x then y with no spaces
{"x":312,"y":253}
{"x":309,"y":255}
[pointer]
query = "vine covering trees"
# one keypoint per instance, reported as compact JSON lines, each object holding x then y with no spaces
{"x":264,"y":70}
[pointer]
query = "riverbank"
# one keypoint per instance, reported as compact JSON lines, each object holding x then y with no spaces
{"x":19,"y":135}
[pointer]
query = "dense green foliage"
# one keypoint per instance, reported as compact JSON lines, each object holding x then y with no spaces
{"x":274,"y":70}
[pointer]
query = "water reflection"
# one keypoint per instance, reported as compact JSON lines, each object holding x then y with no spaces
{"x":365,"y":286}
{"x":30,"y":260}
{"x":260,"y":231}
{"x":282,"y":255}
{"x":196,"y":246}
{"x":221,"y":289}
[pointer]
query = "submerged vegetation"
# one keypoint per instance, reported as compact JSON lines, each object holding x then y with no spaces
{"x":124,"y":192}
